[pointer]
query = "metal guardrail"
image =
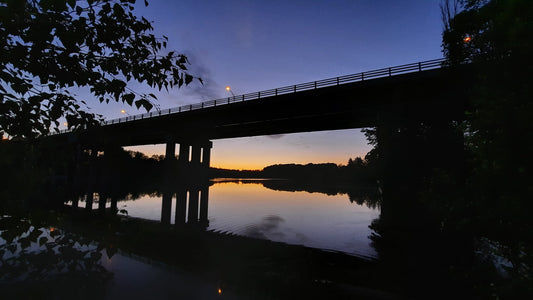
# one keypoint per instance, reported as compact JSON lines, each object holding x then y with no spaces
{"x":384,"y":72}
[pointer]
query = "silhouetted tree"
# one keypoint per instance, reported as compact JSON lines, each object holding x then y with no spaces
{"x":51,"y":46}
{"x":497,"y":36}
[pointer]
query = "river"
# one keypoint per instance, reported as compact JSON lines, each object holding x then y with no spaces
{"x":248,"y":208}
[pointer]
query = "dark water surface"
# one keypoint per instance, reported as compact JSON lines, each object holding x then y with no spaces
{"x":247,"y":248}
{"x":248,"y":208}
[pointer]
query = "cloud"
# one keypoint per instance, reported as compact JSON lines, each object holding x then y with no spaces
{"x":210,"y":89}
{"x":269,"y":226}
{"x":275,"y":136}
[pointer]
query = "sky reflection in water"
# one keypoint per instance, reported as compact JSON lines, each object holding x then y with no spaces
{"x":250,"y":209}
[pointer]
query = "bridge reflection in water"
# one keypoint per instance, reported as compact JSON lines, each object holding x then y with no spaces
{"x":191,"y":205}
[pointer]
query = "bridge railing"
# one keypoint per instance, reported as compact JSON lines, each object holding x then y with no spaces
{"x":384,"y":72}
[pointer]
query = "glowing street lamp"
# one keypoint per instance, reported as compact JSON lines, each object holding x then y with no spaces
{"x":124,"y":112}
{"x":467,"y":39}
{"x":229,"y":90}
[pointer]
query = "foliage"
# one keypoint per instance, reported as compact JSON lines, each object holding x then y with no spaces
{"x":499,"y":133}
{"x":51,"y":47}
{"x":45,"y":261}
{"x":483,"y":30}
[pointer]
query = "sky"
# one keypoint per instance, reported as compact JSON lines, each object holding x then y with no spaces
{"x":259,"y":45}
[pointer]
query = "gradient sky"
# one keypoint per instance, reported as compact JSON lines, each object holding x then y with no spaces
{"x":259,"y":45}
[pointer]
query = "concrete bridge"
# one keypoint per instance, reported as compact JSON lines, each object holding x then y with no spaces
{"x":423,"y":91}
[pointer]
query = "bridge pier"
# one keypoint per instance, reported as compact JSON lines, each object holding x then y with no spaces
{"x":193,"y":161}
{"x":170,"y":153}
{"x":102,"y":199}
{"x":183,"y":161}
{"x":91,"y":180}
{"x":89,"y":201}
{"x":206,"y":155}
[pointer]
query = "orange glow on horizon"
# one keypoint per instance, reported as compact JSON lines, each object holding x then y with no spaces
{"x":5,"y":138}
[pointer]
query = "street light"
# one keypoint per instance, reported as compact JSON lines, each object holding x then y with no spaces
{"x":124,"y":112}
{"x":229,"y":90}
{"x":467,"y":39}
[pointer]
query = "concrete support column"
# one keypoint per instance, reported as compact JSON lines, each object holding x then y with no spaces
{"x":206,"y":155}
{"x":102,"y":199}
{"x":195,"y":157}
{"x":193,"y":206}
{"x":91,"y":180}
{"x":170,"y":153}
{"x":89,"y":201}
{"x":184,"y":154}
{"x":114,"y":208}
{"x":195,"y":164}
{"x":183,"y":161}
{"x":75,"y":201}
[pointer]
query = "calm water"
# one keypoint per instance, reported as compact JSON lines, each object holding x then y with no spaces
{"x":302,"y":218}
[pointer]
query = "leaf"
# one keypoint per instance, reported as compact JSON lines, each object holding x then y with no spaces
{"x":43,"y":240}
{"x":144,"y":103}
{"x":188,"y":79}
{"x":128,"y":98}
{"x":24,"y":243}
{"x":145,"y":3}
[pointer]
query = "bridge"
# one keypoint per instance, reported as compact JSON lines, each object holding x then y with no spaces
{"x":423,"y":91}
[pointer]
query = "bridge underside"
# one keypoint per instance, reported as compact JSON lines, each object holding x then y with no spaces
{"x":424,"y":96}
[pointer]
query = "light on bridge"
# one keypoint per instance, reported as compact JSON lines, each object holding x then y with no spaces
{"x":229,"y":90}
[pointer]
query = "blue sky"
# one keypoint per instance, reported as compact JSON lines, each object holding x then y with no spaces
{"x":258,"y":45}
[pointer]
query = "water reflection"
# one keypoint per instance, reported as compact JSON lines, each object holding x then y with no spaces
{"x":252,"y":208}
{"x":191,"y":205}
